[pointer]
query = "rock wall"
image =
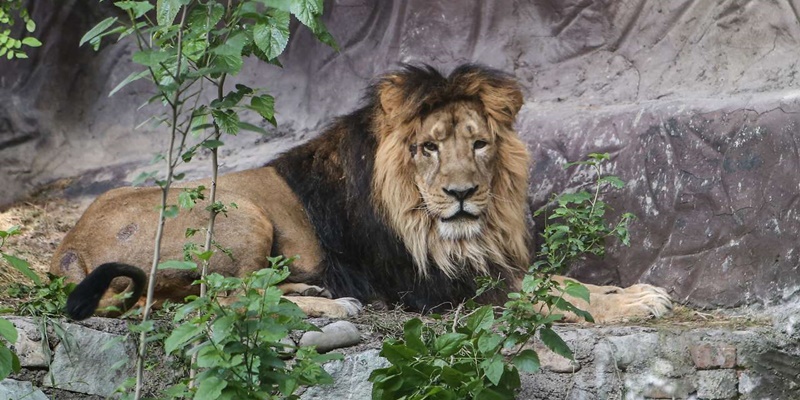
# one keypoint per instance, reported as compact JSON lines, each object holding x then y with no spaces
{"x":696,"y":100}
{"x":731,"y":361}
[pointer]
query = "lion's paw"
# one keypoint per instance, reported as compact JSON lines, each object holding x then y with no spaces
{"x":303,"y":289}
{"x":640,"y":301}
{"x":350,"y":305}
{"x":343,"y":307}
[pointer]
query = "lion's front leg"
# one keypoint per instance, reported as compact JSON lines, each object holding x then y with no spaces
{"x":610,"y":304}
{"x":343,"y":307}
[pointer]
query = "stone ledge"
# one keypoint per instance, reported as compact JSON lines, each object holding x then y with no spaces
{"x":610,"y":362}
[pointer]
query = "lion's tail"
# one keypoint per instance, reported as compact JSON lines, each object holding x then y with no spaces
{"x":83,"y":301}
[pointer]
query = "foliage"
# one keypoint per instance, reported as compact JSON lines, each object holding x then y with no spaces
{"x":44,"y":302}
{"x":42,"y":299}
{"x":482,"y":353}
{"x":9,"y":362}
{"x":183,"y":46}
{"x":11,"y":12}
{"x":576,"y":226}
{"x":240,"y":342}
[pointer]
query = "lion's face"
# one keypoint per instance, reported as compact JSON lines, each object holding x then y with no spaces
{"x":454,"y":155}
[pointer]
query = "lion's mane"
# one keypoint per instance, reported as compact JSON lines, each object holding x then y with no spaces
{"x":356,"y":182}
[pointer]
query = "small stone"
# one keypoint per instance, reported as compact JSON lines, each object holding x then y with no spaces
{"x":717,"y":384}
{"x":289,"y":347}
{"x":748,"y":382}
{"x":333,"y":336}
{"x":631,"y":350}
{"x":29,"y":347}
{"x":15,"y":390}
{"x":350,"y":377}
{"x":670,"y":388}
{"x":710,"y":356}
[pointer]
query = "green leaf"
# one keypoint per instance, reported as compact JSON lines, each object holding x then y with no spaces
{"x":245,"y":126}
{"x":166,"y":10}
{"x":264,"y":105}
{"x":488,"y":342}
{"x":449,"y":343}
{"x":23,"y":267}
{"x":412,"y":333}
{"x":397,"y":354}
{"x":212,"y":144}
{"x":143,"y":177}
{"x":30,"y":25}
{"x":481,"y":319}
{"x":134,"y":76}
{"x":151,"y":58}
{"x":491,"y":394}
{"x":139,"y":8}
{"x":98,"y":30}
{"x":8,"y":331}
{"x":493,"y":369}
{"x":227,"y":120}
{"x":527,"y":361}
{"x":8,"y":362}
{"x":554,"y":342}
{"x":574,"y":198}
{"x":272,"y":37}
{"x":144,"y":326}
{"x":530,"y":283}
{"x":176,"y":264}
{"x":31,"y":41}
{"x":599,"y":156}
{"x":210,"y":388}
{"x":613,"y":181}
{"x":323,"y":35}
{"x":206,"y":255}
{"x":171,"y":211}
{"x":233,"y":46}
{"x":180,"y":336}
{"x":185,"y":200}
{"x":575,"y":289}
{"x":306,"y":12}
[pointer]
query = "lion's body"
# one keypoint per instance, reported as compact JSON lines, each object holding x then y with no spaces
{"x":405,"y":200}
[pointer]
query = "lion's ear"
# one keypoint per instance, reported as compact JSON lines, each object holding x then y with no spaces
{"x":502,"y":100}
{"x":499,"y":92}
{"x":391,"y":95}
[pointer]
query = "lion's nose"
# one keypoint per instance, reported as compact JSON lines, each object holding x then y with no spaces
{"x":460,"y":194}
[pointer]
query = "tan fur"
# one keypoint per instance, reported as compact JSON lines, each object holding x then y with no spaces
{"x":400,"y":194}
{"x":429,"y":146}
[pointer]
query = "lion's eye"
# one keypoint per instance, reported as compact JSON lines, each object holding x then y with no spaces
{"x":430,"y":146}
{"x":479,"y":144}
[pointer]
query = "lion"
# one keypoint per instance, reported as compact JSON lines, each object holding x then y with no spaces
{"x":405,"y":201}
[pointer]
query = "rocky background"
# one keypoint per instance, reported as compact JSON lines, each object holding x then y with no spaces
{"x":697,"y":101}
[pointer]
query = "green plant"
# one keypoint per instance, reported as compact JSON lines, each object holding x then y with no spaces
{"x":239,"y":343}
{"x":43,"y":299}
{"x":192,"y":43}
{"x":44,"y":302}
{"x":12,"y":11}
{"x":9,"y":362}
{"x":479,"y":355}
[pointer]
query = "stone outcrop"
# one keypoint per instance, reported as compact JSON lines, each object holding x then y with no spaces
{"x":697,"y":102}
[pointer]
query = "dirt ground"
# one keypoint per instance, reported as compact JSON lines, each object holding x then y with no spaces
{"x":44,"y":219}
